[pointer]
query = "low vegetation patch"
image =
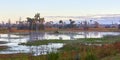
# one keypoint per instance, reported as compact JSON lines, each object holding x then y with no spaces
{"x":3,"y":42}
{"x":106,"y":39}
{"x":3,"y":47}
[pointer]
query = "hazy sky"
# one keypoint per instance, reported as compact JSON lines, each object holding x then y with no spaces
{"x":15,"y":8}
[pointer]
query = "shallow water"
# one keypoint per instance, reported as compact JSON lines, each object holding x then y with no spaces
{"x":70,"y":36}
{"x":13,"y":41}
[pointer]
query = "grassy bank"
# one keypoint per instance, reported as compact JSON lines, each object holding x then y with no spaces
{"x":116,"y":57}
{"x":15,"y":30}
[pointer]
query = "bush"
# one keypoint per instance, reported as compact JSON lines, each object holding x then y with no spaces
{"x":53,"y":56}
{"x":91,"y":56}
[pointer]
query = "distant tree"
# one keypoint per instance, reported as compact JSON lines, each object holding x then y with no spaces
{"x":60,"y":21}
{"x":40,"y":20}
{"x":119,"y":26}
{"x":91,"y":23}
{"x":72,"y":23}
{"x":60,"y":24}
{"x":37,"y":17}
{"x":30,"y":20}
{"x":42,"y":27}
{"x":36,"y":22}
{"x":85,"y":25}
{"x":96,"y":24}
{"x":9,"y":25}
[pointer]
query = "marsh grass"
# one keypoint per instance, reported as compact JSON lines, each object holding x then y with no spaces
{"x":77,"y":50}
{"x":106,"y":39}
{"x":3,"y":47}
{"x":72,"y":52}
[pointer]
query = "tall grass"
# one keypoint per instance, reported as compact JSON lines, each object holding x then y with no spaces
{"x":52,"y":56}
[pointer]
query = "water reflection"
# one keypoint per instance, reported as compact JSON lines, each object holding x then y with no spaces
{"x":36,"y":36}
{"x":44,"y":49}
{"x":13,"y":41}
{"x":35,"y":50}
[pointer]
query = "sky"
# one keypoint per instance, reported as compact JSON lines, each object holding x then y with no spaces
{"x":13,"y":9}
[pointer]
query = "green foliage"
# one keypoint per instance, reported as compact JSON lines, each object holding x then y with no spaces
{"x":91,"y":56}
{"x":41,"y":42}
{"x":53,"y":56}
{"x":77,"y":57}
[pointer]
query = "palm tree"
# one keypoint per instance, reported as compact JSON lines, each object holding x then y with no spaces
{"x":40,"y":20}
{"x":36,"y":22}
{"x":71,"y":23}
{"x":37,"y":16}
{"x":30,"y":20}
{"x":60,"y":24}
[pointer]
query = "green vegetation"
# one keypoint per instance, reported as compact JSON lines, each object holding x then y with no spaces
{"x":114,"y":57}
{"x":3,"y":48}
{"x":92,"y":52}
{"x":91,"y":56}
{"x":3,"y":30}
{"x":104,"y":40}
{"x":53,"y":56}
{"x":78,"y":50}
{"x":42,"y":42}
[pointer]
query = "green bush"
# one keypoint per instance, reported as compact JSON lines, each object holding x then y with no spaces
{"x":53,"y":56}
{"x":91,"y":56}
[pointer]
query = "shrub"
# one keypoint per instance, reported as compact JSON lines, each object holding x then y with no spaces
{"x":53,"y":56}
{"x":91,"y":56}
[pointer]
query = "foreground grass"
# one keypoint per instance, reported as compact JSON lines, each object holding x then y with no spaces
{"x":114,"y":57}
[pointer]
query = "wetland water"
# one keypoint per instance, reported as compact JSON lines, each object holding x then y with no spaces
{"x":14,"y":39}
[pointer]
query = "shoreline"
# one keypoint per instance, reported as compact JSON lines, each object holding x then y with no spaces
{"x":64,"y":30}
